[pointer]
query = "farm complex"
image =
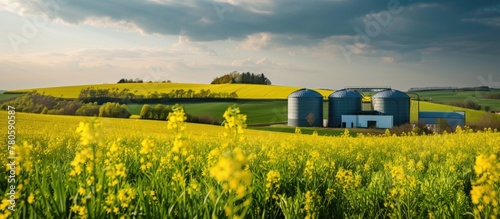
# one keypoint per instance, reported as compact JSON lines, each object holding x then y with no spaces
{"x":387,"y":108}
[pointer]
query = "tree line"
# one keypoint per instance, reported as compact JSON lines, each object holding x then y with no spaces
{"x":92,"y":94}
{"x":160,"y":112}
{"x":34,"y":102}
{"x":124,"y":80}
{"x":137,"y":80}
{"x":242,"y":78}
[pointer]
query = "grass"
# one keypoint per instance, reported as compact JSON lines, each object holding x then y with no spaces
{"x":244,"y":91}
{"x":255,"y":110}
{"x":4,"y":96}
{"x":470,"y":115}
{"x":447,"y":97}
{"x":258,"y":112}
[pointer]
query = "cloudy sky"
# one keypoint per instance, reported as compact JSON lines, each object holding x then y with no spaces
{"x":314,"y":43}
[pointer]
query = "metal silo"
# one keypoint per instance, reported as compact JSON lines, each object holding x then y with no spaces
{"x":305,"y":108}
{"x":343,"y":102}
{"x":395,"y":103}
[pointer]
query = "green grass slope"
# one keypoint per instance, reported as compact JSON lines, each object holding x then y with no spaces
{"x":4,"y":97}
{"x":470,"y":115}
{"x":448,"y":97}
{"x":258,"y":112}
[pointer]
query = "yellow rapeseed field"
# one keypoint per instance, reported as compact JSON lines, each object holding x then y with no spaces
{"x":247,"y":91}
{"x":77,"y":167}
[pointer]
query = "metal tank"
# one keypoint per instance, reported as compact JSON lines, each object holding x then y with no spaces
{"x":343,"y":102}
{"x":305,"y":108}
{"x":395,"y":103}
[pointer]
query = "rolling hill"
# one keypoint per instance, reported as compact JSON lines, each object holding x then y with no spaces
{"x":244,"y":91}
{"x":258,"y":112}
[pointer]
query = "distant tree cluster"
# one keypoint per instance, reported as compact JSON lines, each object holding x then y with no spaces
{"x":137,"y":80}
{"x":34,"y":102}
{"x":88,"y":109}
{"x":181,"y":93}
{"x":242,"y":78}
{"x":467,"y":104}
{"x":115,"y":110}
{"x":124,"y":80}
{"x":495,"y":96}
{"x":479,"y":88}
{"x":92,"y":94}
{"x":161,"y":112}
{"x":413,"y":89}
{"x":158,"y":112}
{"x":488,"y":120}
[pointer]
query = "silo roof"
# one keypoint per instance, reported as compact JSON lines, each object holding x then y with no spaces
{"x":393,"y":94}
{"x":344,"y":93}
{"x":305,"y":93}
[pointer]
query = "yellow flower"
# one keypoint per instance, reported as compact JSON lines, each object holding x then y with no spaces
{"x":231,"y":173}
{"x":81,"y":191}
{"x":483,"y":194}
{"x":31,"y":199}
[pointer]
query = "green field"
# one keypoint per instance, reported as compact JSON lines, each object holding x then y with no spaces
{"x":8,"y":96}
{"x":471,"y":116}
{"x":447,"y":97}
{"x":258,"y":112}
{"x":265,"y":112}
{"x":244,"y":91}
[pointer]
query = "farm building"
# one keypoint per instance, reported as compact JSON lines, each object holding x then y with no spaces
{"x":367,"y":121}
{"x":453,"y":119}
{"x":305,"y":108}
{"x":345,"y":109}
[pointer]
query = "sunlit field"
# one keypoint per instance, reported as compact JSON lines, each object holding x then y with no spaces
{"x":244,"y":91}
{"x":79,"y":167}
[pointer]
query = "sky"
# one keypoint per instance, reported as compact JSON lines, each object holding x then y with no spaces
{"x":329,"y":44}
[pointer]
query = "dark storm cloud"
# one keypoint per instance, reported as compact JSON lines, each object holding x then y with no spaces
{"x":453,"y":27}
{"x":448,"y":25}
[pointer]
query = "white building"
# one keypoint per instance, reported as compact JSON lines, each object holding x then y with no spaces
{"x":367,"y":121}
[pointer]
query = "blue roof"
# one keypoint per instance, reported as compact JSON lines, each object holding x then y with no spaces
{"x":305,"y":93}
{"x":443,"y":115}
{"x":393,"y":94}
{"x":344,"y":93}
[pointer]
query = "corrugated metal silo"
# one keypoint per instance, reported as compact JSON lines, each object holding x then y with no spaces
{"x":305,"y":108}
{"x":343,"y":102}
{"x":395,"y":103}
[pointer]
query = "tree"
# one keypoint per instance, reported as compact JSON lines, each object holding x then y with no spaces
{"x":145,"y":111}
{"x":89,"y":109}
{"x":159,"y":112}
{"x":114,"y":110}
{"x":443,"y":126}
{"x":242,"y":78}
